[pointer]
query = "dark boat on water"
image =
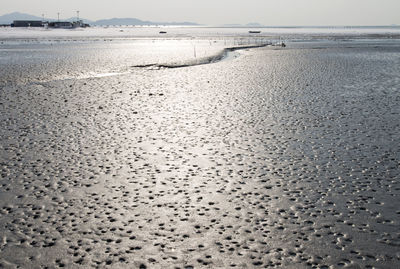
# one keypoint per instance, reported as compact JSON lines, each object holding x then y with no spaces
{"x":163,"y":32}
{"x":254,"y":32}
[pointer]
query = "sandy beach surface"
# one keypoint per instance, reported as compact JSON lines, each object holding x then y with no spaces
{"x":274,"y":158}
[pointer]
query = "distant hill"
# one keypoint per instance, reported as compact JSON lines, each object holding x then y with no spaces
{"x":122,"y":21}
{"x":9,"y":18}
{"x":134,"y":21}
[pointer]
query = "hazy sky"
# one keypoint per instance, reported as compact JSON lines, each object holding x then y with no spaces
{"x":213,"y":12}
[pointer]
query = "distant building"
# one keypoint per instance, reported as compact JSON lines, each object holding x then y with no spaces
{"x":27,"y":24}
{"x":54,"y":24}
{"x":67,"y":24}
{"x":61,"y":24}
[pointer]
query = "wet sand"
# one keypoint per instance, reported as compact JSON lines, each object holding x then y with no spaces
{"x":275,"y":159}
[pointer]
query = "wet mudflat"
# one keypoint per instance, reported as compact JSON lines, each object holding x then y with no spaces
{"x":280,"y":158}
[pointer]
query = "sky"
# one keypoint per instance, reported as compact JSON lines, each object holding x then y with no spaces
{"x":217,"y":12}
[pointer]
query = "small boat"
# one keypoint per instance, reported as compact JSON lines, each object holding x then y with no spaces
{"x":163,"y":32}
{"x":254,"y":32}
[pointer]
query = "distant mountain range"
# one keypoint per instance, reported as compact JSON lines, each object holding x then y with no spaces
{"x":133,"y":21}
{"x":9,"y":18}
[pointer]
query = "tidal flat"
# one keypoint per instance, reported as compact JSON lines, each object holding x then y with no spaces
{"x":274,"y":158}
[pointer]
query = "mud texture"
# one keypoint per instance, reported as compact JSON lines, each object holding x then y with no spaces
{"x":279,"y":158}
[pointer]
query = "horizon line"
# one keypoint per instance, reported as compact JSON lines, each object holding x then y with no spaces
{"x":225,"y":25}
